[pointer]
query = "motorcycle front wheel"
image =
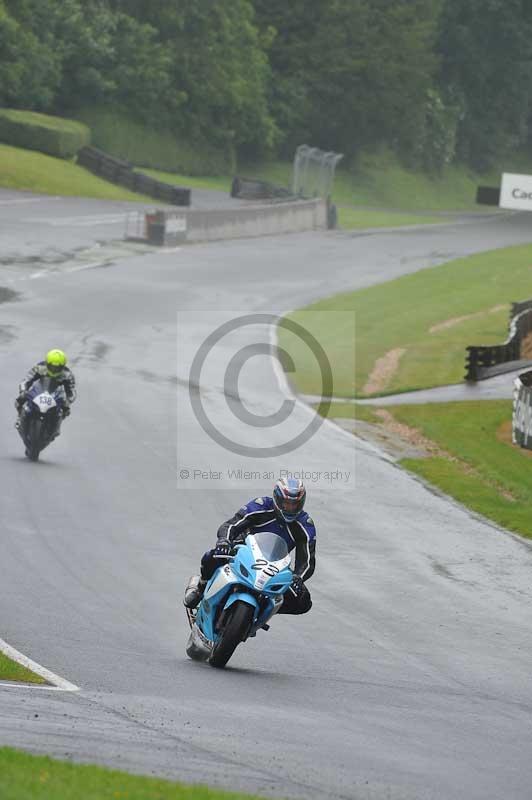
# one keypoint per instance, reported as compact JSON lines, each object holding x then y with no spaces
{"x":235,"y":631}
{"x":34,"y":439}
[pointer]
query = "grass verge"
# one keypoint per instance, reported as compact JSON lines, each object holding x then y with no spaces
{"x":158,"y":148}
{"x":486,"y":473}
{"x":431,"y":316}
{"x":351,"y":218}
{"x":470,"y":455}
{"x":23,"y":776}
{"x":37,"y":172}
{"x":379,"y":180}
{"x":220,"y":183}
{"x":11,"y":671}
{"x":375,"y":185}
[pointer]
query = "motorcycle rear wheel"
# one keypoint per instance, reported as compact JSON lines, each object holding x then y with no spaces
{"x":234,"y":632}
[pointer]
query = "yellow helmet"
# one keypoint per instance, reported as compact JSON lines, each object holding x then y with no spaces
{"x":55,"y":362}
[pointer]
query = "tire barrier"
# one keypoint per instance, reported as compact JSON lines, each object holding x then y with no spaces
{"x":522,"y":413}
{"x":521,"y":305}
{"x":254,"y":189}
{"x":488,"y":195}
{"x":167,"y":228}
{"x":121,"y":172}
{"x":485,"y":361}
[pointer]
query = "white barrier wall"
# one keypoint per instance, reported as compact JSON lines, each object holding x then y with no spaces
{"x":263,"y":220}
{"x":169,"y":228}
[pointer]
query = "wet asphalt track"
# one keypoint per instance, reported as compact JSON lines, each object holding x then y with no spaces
{"x":410,"y":678}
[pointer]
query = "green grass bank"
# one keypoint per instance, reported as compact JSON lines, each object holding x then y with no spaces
{"x":36,"y":172}
{"x":472,"y":458}
{"x":27,"y":777}
{"x":11,"y":671}
{"x":157,"y":148}
{"x":486,"y":473}
{"x":376,"y":180}
{"x":421,"y":322}
{"x":375,"y":191}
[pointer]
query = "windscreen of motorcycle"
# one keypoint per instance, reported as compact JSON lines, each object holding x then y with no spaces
{"x":268,"y":545}
{"x":271,"y":556}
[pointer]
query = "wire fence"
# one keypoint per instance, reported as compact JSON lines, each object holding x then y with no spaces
{"x":313,"y":173}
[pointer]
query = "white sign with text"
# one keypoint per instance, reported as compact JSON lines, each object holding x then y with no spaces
{"x":516,"y":192}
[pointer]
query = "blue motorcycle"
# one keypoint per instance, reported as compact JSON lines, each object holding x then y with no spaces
{"x":242,"y":595}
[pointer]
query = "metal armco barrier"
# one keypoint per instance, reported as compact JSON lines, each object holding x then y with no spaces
{"x":522,"y":413}
{"x":119,"y":171}
{"x":485,"y":361}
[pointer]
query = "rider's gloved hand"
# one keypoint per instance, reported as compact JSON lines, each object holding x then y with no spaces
{"x":297,"y":585}
{"x":66,"y":411}
{"x":223,"y":548}
{"x":19,"y":402}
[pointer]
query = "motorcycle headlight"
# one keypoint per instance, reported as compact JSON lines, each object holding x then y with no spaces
{"x":244,"y":571}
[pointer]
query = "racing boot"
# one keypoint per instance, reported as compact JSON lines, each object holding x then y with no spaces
{"x":194,"y":591}
{"x":19,"y":402}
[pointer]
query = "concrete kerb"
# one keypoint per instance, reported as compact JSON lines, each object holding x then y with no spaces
{"x":54,"y":682}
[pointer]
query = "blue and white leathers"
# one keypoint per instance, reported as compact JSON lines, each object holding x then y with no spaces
{"x":258,"y":575}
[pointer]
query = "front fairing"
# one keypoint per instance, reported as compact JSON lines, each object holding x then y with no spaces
{"x":263,"y":564}
{"x":44,"y":395}
{"x":252,"y":572}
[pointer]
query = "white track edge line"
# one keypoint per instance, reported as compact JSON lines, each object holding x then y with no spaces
{"x":286,"y":389}
{"x":56,"y":681}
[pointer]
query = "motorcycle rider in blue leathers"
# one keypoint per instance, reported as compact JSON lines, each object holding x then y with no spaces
{"x":281,"y":514}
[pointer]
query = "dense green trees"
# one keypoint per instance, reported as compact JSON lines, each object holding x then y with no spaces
{"x":486,"y":72}
{"x":345,"y":71}
{"x":434,"y":80}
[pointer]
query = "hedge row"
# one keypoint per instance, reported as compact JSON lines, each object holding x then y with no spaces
{"x":53,"y":135}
